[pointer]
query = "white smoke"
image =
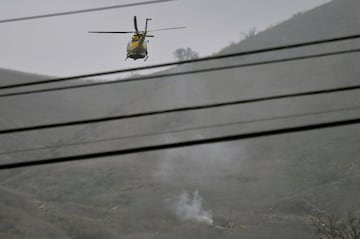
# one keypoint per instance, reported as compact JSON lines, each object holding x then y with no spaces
{"x":189,"y":207}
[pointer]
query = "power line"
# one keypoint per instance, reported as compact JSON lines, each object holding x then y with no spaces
{"x":204,"y":59}
{"x":82,"y":11}
{"x":182,"y":144}
{"x":182,"y":130}
{"x":176,"y":110}
{"x":155,"y":76}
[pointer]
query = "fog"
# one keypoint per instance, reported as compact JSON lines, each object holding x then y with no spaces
{"x":285,"y":185}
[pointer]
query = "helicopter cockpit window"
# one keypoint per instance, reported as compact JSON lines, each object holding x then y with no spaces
{"x":135,"y":38}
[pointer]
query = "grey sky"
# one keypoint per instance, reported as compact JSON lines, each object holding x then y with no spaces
{"x":61,"y":46}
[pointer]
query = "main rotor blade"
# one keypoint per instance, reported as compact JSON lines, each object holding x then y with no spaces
{"x":165,"y":29}
{"x":115,"y":32}
{"x":135,"y":25}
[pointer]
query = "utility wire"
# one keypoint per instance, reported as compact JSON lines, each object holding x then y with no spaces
{"x":182,"y":144}
{"x":181,"y":130}
{"x":204,"y":59}
{"x":177,"y":110}
{"x":156,"y":76}
{"x":82,"y":11}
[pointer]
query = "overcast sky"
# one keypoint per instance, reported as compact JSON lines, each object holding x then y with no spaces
{"x":61,"y":46}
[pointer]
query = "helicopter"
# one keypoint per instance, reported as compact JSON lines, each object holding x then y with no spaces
{"x":137,"y":47}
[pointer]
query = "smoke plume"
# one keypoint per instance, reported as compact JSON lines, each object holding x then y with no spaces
{"x":189,"y":207}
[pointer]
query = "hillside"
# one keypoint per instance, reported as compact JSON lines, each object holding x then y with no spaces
{"x":270,"y":187}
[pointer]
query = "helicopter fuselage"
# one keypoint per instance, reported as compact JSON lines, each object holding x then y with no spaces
{"x":137,"y":48}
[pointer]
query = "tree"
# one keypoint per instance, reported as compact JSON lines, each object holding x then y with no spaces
{"x":250,"y":33}
{"x":332,"y":227}
{"x":183,"y":54}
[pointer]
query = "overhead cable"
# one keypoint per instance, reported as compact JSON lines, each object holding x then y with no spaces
{"x":182,"y":144}
{"x":203,"y":59}
{"x":177,"y":110}
{"x":82,"y":11}
{"x":156,"y":76}
{"x":181,"y":130}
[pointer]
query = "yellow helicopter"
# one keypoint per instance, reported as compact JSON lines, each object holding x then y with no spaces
{"x":137,"y":48}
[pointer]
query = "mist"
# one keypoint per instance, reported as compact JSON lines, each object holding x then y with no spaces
{"x":262,"y":187}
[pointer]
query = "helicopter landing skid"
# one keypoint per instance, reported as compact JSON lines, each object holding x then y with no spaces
{"x":146,"y":57}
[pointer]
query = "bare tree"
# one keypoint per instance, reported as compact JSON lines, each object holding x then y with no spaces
{"x":250,"y":33}
{"x":332,"y":227}
{"x":183,"y":54}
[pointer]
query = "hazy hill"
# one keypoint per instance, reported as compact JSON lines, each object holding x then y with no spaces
{"x":11,"y":77}
{"x":337,"y":18}
{"x":263,"y":188}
